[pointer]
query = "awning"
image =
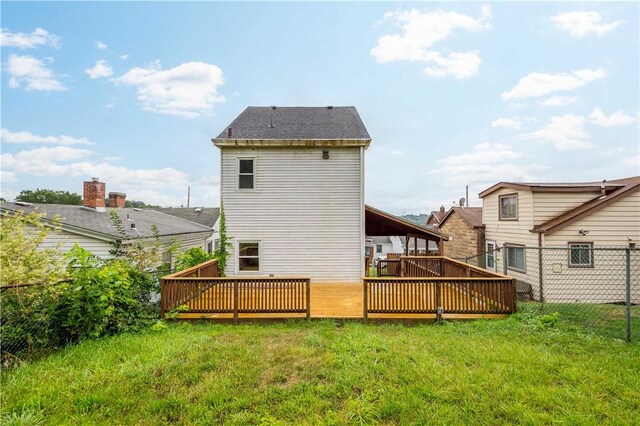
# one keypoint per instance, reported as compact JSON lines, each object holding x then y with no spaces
{"x":379,"y":223}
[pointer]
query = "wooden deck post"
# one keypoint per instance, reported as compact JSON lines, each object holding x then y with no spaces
{"x":235,"y":301}
{"x":365,"y":310}
{"x":308,"y":284}
{"x":163,"y":298}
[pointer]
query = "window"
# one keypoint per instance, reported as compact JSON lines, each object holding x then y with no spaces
{"x":490,"y":246}
{"x":246,"y":173}
{"x":249,"y":256}
{"x":378,"y":248}
{"x":367,"y":251}
{"x":216,"y":244}
{"x":580,"y":255}
{"x":209,"y":247}
{"x":515,"y":258}
{"x":509,"y":207}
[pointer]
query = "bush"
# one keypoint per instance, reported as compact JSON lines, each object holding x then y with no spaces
{"x":192,"y":257}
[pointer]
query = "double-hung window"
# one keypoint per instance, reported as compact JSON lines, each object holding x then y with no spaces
{"x":246,"y":173}
{"x":580,"y":255}
{"x":248,"y":256}
{"x":378,"y":248}
{"x":508,"y":207}
{"x":516,"y":258}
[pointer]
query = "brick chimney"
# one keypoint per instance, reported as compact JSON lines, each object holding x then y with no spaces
{"x":93,"y":194}
{"x":117,"y":200}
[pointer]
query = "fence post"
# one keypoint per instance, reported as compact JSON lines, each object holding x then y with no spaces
{"x":540,"y":268}
{"x":628,"y":301}
{"x":438,"y":302}
{"x":504,"y":259}
{"x":308,"y":285}
{"x":365,"y":302}
{"x":163,"y":298}
{"x":235,"y":301}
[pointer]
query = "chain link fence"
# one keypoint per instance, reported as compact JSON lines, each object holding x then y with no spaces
{"x":590,"y":286}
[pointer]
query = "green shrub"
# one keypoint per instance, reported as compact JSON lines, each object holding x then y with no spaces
{"x":192,"y":257}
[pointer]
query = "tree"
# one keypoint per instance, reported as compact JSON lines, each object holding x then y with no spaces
{"x":21,"y":259}
{"x":48,"y":196}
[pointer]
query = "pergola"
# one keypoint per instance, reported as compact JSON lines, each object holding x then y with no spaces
{"x":383,"y":224}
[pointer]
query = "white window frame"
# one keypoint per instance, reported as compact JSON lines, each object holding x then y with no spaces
{"x":493,"y":256}
{"x":500,"y":198}
{"x":238,"y":174}
{"x":524,"y":257}
{"x":572,"y":245}
{"x":237,"y":256}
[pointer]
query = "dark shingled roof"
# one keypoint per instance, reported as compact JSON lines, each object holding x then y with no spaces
{"x":297,"y":123}
{"x":472,"y":215}
{"x":99,"y":222}
{"x":206,"y":216}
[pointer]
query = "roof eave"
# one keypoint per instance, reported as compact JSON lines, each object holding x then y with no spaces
{"x":347,"y":142}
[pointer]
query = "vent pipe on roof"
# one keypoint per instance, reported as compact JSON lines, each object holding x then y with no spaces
{"x":229,"y":132}
{"x":273,"y":108}
{"x":602,"y":185}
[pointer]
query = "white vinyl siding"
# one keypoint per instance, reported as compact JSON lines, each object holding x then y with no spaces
{"x":64,"y":241}
{"x":306,"y":212}
{"x":547,"y":205}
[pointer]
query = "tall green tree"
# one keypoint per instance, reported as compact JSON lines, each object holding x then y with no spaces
{"x":48,"y":196}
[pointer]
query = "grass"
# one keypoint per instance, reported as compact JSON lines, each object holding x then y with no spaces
{"x":523,"y":369}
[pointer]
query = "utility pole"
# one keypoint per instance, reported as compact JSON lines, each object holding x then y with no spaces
{"x":188,"y":195}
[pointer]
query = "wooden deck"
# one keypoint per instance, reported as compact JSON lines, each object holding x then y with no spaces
{"x":333,"y":300}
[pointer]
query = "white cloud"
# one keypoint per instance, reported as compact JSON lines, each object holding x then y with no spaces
{"x":188,"y":90}
{"x":100,"y":45}
{"x":43,"y":161}
{"x":124,"y":57}
{"x":565,"y":132}
{"x":420,"y":31}
{"x":618,"y":118}
{"x":7,"y":177}
{"x":487,"y":163}
{"x":32,"y":72}
{"x":99,"y":70}
{"x":579,"y":24}
{"x":7,"y":136}
{"x":507,"y":122}
{"x":557,"y":101}
{"x":39,"y":37}
{"x":538,"y":84}
{"x":397,"y":153}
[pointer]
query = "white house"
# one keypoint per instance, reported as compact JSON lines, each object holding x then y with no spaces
{"x":90,"y":225}
{"x":574,"y":218}
{"x":292,"y":189}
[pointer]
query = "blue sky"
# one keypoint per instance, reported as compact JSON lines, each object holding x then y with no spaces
{"x":451,"y":93}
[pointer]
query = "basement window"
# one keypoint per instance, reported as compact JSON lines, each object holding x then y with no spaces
{"x":248,"y":256}
{"x":246,"y":173}
{"x":580,"y":255}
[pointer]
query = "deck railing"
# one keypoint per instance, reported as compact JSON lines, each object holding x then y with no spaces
{"x":439,"y":296}
{"x":235,"y":295}
{"x":438,"y":266}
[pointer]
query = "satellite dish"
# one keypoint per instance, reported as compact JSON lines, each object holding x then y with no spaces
{"x":462,"y":201}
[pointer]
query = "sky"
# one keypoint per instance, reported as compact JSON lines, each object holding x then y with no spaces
{"x":452,"y":94}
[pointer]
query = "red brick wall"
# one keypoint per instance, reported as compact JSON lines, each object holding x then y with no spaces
{"x":93,"y":194}
{"x":117,"y":200}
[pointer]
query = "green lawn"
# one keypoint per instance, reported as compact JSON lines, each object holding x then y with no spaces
{"x":514,"y":370}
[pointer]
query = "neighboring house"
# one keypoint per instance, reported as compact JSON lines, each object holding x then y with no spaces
{"x":90,"y":225}
{"x":380,"y":246}
{"x":464,"y":227}
{"x":575,"y":216}
{"x":425,"y":248}
{"x":435,"y":217}
{"x":292,"y":186}
{"x":207,"y":216}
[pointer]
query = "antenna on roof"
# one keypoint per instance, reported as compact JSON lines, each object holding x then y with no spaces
{"x":273,"y":108}
{"x":602,"y":185}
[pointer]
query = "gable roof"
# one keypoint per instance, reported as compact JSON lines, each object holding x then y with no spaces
{"x":295,"y":124}
{"x":98,"y":223}
{"x":610,"y":185}
{"x":206,"y":216}
{"x":471,"y":215}
{"x":629,"y":185}
{"x":438,"y":215}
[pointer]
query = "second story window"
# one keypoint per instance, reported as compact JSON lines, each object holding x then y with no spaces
{"x":508,"y":207}
{"x":246,"y":173}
